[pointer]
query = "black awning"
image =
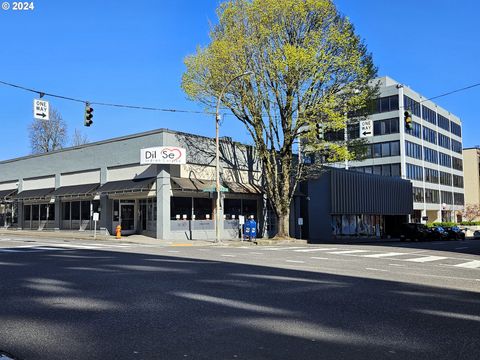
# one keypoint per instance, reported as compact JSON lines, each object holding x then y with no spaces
{"x":187,"y":184}
{"x":121,"y":186}
{"x":33,"y":194}
{"x":6,"y":193}
{"x":75,"y":190}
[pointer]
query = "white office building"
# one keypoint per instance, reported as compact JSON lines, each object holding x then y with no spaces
{"x":429,"y":154}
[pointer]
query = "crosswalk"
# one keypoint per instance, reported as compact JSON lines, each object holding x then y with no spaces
{"x":408,"y":256}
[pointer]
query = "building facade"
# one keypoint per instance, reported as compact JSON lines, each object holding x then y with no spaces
{"x":63,"y":189}
{"x":429,"y":154}
{"x":471,"y":157}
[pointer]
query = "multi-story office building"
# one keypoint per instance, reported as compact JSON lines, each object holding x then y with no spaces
{"x":471,"y":158}
{"x":429,"y":154}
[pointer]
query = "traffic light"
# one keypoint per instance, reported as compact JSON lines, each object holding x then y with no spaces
{"x":407,"y":116}
{"x":320,"y":131}
{"x":88,"y":114}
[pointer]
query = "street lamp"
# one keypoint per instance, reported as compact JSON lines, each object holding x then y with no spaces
{"x":217,"y":156}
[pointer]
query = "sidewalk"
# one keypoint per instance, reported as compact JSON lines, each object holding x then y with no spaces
{"x":139,"y":239}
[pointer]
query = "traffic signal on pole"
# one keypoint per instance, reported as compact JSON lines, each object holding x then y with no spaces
{"x":88,"y":115}
{"x":407,"y":116}
{"x":320,"y":131}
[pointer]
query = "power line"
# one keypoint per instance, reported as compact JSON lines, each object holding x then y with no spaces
{"x":451,"y":92}
{"x":41,"y":93}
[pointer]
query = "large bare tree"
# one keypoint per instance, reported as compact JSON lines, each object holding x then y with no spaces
{"x":79,"y":138}
{"x":48,"y":135}
{"x":307,"y":66}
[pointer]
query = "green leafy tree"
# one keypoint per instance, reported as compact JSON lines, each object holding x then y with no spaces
{"x":307,"y":66}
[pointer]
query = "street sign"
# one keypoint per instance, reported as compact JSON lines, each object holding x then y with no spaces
{"x":41,"y":109}
{"x":214,"y":189}
{"x":366,"y":128}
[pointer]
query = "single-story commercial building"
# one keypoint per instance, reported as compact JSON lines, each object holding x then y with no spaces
{"x":161,"y":184}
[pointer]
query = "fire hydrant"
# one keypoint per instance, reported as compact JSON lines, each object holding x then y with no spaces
{"x":118,"y":232}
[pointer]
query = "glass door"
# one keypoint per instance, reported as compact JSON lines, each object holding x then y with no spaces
{"x":127,"y":216}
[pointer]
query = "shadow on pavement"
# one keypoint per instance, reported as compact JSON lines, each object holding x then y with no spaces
{"x":77,"y":304}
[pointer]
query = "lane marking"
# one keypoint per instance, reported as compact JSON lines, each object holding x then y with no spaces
{"x":256,"y":253}
{"x":312,"y":250}
{"x":348,"y":252}
{"x":319,"y":258}
{"x":475,"y":264}
{"x":173,"y":251}
{"x":229,"y":255}
{"x":426,"y":259}
{"x":461,"y":248}
{"x":286,"y":248}
{"x":384,"y":255}
{"x":296,"y":261}
{"x":399,"y":265}
{"x":374,"y":269}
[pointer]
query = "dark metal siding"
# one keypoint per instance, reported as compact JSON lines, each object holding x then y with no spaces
{"x":357,"y":193}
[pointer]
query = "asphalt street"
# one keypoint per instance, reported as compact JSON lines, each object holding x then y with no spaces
{"x":101,"y":300}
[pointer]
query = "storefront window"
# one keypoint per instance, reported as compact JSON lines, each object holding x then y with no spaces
{"x":66,"y":211}
{"x":180,"y":207}
{"x":35,"y":212}
{"x":232,"y":208}
{"x":51,"y":212}
{"x":249,"y":207}
{"x":85,"y":210}
{"x":202,"y":208}
{"x":116,"y":207}
{"x":27,"y":212}
{"x":75,"y":210}
{"x":43,"y":211}
{"x":96,"y":208}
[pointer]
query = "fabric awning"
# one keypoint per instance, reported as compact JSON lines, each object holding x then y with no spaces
{"x":6,"y":193}
{"x":75,"y":190}
{"x":122,"y":186}
{"x":236,"y":187}
{"x":187,"y":184}
{"x":34,"y":194}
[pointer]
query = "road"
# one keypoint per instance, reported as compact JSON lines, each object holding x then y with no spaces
{"x":100,"y":300}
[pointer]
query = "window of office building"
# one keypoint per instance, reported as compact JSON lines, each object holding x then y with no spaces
{"x":431,"y":196}
{"x":447,"y":197}
{"x":457,"y":163}
{"x":444,"y":141}
{"x":429,"y":115}
{"x":414,"y":172}
{"x":456,"y":146}
{"x":413,"y":150}
{"x":390,"y":148}
{"x":384,"y":170}
{"x":385,"y":127}
{"x":458,"y":199}
{"x":458,"y":181}
{"x":418,"y":194}
{"x":443,"y":122}
{"x":416,"y":130}
{"x":445,"y":160}
{"x":455,"y":129}
{"x":429,"y":135}
{"x":412,"y":105}
{"x":384,"y":104}
{"x":430,"y":155}
{"x":431,"y":175}
{"x":353,"y":131}
{"x":445,"y":178}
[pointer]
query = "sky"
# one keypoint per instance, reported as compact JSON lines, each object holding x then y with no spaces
{"x":132,"y":52}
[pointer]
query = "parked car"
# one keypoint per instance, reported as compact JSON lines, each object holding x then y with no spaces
{"x":454,"y":233}
{"x":476,"y":234}
{"x":415,"y":232}
{"x":439,"y":233}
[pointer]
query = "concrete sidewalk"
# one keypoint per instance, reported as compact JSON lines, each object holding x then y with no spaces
{"x":140,"y":239}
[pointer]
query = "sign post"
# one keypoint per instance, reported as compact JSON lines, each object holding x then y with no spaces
{"x":241,"y":221}
{"x":300,"y":224}
{"x":41,"y":109}
{"x":366,"y":128}
{"x":95,"y":219}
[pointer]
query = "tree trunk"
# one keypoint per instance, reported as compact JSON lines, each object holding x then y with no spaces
{"x":283,"y":225}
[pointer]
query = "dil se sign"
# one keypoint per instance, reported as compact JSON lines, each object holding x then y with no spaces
{"x":163,"y":155}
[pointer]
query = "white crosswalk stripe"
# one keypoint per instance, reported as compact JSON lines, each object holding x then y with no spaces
{"x":345,"y":252}
{"x":388,"y":254}
{"x":313,"y":250}
{"x":426,"y":259}
{"x":475,"y":264}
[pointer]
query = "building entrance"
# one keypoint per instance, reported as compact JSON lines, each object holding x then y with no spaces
{"x":127,"y":217}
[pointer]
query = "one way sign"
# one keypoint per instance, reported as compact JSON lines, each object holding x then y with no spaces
{"x":41,"y":109}
{"x":366,"y":128}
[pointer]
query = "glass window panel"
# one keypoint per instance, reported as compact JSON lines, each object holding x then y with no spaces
{"x":27,"y":212}
{"x":75,"y":210}
{"x":66,"y":210}
{"x":203,"y":208}
{"x":180,"y":206}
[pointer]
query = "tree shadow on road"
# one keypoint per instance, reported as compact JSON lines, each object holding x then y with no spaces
{"x":83,"y":304}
